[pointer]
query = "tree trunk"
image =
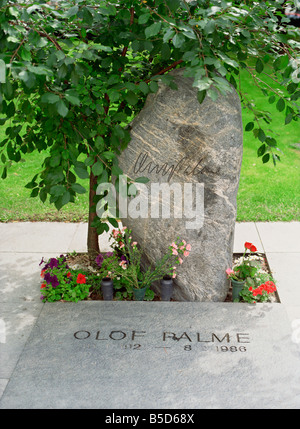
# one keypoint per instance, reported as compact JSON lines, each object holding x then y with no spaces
{"x":92,"y":239}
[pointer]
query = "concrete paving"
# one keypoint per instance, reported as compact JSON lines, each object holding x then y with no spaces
{"x":24,"y":244}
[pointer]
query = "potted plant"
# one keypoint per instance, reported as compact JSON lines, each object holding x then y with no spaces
{"x":240,"y":272}
{"x":125,"y":262}
{"x":249,"y":280}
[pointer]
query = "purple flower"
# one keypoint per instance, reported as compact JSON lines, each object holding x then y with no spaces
{"x":99,"y":260}
{"x":123,"y":258}
{"x":53,"y":280}
{"x":53,"y":263}
{"x":109,"y":254}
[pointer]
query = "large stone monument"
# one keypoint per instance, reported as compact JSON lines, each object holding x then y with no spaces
{"x":192,"y":153}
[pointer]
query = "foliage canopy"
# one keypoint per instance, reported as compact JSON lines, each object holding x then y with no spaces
{"x":73,"y":74}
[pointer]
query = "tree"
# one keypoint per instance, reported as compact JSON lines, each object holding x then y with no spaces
{"x":74,"y":74}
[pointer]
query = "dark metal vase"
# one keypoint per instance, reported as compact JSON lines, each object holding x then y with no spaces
{"x":166,"y":284}
{"x":107,"y":289}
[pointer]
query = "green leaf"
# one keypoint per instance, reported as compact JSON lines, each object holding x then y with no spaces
{"x":72,"y":99}
{"x":81,"y":171}
{"x":201,"y":96}
{"x":266,"y":158}
{"x":108,"y":155}
{"x":152,"y":30}
{"x":288,"y":118}
{"x":65,"y":198}
{"x":280,"y":105}
{"x":142,"y":180}
{"x":153,"y":86}
{"x":271,"y":142}
{"x":62,"y":108}
{"x":72,"y":11}
{"x":143,"y":87}
{"x":97,"y":168}
{"x":249,"y":126}
{"x":49,"y":97}
{"x":4,"y":173}
{"x":292,"y":87}
{"x":259,"y":66}
{"x":261,"y":135}
{"x":34,"y":193}
{"x":143,"y":19}
{"x":261,"y":150}
{"x":55,"y":160}
{"x":178,"y":40}
{"x":2,"y":71}
{"x":78,"y":188}
{"x":131,"y":98}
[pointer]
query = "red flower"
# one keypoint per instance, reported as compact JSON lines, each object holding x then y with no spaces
{"x":253,"y":248}
{"x":81,"y":278}
{"x":248,"y":245}
{"x":43,"y":285}
{"x":43,"y":273}
{"x":69,"y":274}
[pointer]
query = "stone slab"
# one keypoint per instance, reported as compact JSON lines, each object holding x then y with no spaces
{"x":31,"y":237}
{"x":16,"y":322}
{"x":243,"y":232}
{"x":280,"y":236}
{"x":144,"y":355}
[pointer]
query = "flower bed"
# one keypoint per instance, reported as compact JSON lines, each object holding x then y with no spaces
{"x":264,"y":274}
{"x":63,"y":278}
{"x":76,"y":277}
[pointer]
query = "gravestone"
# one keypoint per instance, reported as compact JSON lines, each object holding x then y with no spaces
{"x":157,"y":355}
{"x":192,"y":155}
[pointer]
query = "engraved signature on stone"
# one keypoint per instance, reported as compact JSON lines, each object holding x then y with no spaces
{"x":145,"y":164}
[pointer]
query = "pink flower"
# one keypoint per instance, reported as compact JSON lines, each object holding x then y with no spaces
{"x":121,"y":245}
{"x":123,"y":265}
{"x":134,"y":243}
{"x":229,"y":271}
{"x":174,"y":275}
{"x":186,"y":253}
{"x":180,"y":260}
{"x":174,"y":252}
{"x":174,"y":245}
{"x":188,"y":247}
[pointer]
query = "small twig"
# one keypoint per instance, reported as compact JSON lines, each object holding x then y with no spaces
{"x":16,"y":51}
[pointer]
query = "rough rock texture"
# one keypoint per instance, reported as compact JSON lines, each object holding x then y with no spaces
{"x":175,"y":140}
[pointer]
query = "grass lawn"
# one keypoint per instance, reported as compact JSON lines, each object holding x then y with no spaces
{"x":266,"y":193}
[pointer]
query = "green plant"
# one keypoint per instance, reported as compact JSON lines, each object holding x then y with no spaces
{"x":244,"y":268}
{"x":259,"y":283}
{"x":125,"y":261}
{"x":62,"y":283}
{"x":72,"y":78}
{"x":124,"y":290}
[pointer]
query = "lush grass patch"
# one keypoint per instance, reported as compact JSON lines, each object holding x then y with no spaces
{"x":16,"y":204}
{"x":268,"y":192}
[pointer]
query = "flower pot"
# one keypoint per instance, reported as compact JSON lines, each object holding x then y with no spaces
{"x":166,"y":284}
{"x":107,"y":289}
{"x":139,"y":293}
{"x":237,"y":287}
